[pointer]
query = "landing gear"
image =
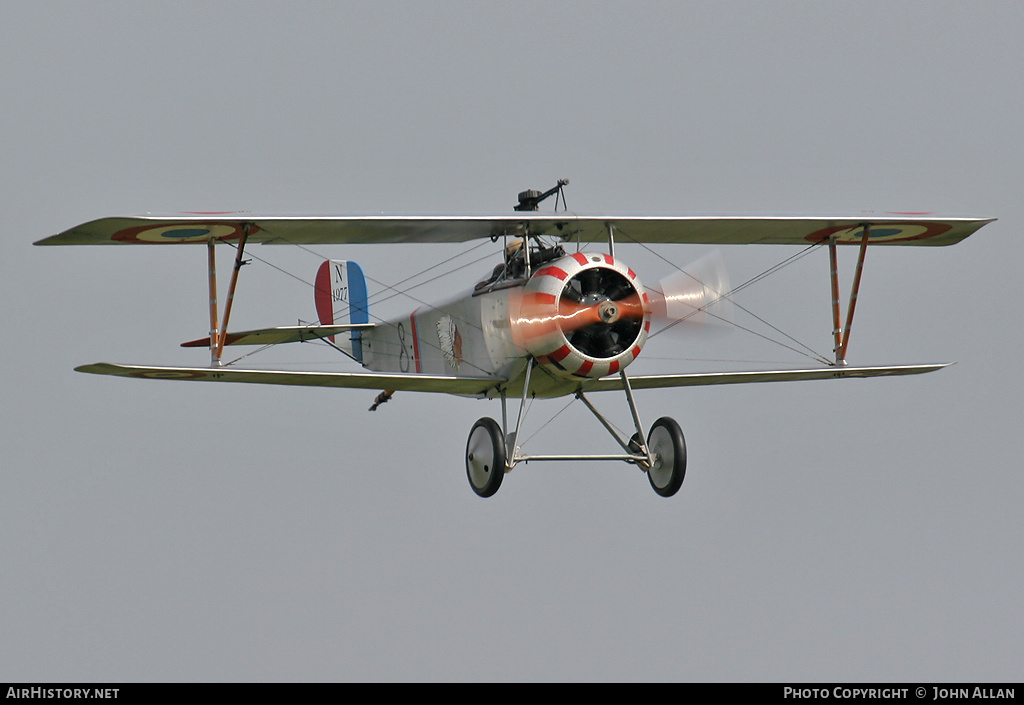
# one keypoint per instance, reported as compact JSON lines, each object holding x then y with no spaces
{"x":668,"y":450}
{"x":493,"y":449}
{"x":485,"y":457}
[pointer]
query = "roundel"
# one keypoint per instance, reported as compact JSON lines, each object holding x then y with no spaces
{"x":882,"y":232}
{"x":171,"y":374}
{"x":180,"y":232}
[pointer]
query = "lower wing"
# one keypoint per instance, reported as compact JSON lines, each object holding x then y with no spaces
{"x":480,"y":386}
{"x":703,"y":378}
{"x":357,"y":380}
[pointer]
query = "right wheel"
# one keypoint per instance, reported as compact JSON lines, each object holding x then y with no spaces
{"x":485,"y":457}
{"x":667,"y":445}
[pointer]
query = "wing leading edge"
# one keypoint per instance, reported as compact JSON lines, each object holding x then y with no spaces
{"x":886,"y":229}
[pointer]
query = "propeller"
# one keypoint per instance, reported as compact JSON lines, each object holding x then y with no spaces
{"x":601,"y":313}
{"x":694,"y":295}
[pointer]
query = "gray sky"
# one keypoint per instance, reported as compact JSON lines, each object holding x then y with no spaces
{"x":849,"y":531}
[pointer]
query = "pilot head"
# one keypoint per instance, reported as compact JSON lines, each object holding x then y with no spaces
{"x":514,"y":247}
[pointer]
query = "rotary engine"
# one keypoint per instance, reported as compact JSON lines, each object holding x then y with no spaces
{"x":583,"y":315}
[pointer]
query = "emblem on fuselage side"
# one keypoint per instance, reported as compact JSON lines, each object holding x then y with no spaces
{"x":451,"y":341}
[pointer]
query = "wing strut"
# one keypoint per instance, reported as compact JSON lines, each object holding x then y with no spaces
{"x":841,"y":337}
{"x":218,"y":335}
{"x":231,"y":290}
{"x":611,"y":239}
{"x":211,"y":258}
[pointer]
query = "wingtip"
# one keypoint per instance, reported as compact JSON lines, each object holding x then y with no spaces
{"x":93,"y":369}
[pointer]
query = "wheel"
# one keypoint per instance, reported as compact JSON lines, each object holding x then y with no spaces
{"x":668,"y":446}
{"x":485,"y":457}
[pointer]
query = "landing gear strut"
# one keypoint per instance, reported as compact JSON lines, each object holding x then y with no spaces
{"x":491,"y":450}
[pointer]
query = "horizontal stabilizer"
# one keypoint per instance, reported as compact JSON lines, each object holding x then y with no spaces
{"x":358,"y":380}
{"x":706,"y":378}
{"x":284,"y":334}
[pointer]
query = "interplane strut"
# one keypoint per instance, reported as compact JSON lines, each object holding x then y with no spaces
{"x":841,"y":337}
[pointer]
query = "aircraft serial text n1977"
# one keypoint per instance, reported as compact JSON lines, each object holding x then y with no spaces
{"x":560,"y":314}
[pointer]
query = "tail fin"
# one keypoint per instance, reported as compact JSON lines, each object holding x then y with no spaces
{"x":340,"y":291}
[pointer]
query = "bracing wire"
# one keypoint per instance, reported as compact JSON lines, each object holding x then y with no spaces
{"x":392,"y":288}
{"x":394,"y":291}
{"x":803,"y":349}
{"x":546,"y":423}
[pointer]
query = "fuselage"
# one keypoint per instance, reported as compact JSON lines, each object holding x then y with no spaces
{"x":579,"y":316}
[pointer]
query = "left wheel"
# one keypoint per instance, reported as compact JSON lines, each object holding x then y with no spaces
{"x":485,"y":457}
{"x":668,"y":447}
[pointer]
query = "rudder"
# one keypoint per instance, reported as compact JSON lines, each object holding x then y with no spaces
{"x":340,"y":291}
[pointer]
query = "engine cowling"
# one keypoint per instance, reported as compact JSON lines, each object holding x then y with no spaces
{"x":583,"y":315}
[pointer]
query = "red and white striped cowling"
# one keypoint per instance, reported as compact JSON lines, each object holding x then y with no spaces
{"x":543,"y":329}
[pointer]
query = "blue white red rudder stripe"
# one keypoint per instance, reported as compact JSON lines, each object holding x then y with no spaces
{"x":340,"y":292}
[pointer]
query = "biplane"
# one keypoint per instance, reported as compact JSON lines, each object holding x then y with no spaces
{"x":561,"y":313}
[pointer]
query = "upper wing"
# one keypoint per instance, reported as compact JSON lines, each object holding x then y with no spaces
{"x":703,"y":378}
{"x":358,"y":380}
{"x":893,"y":229}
